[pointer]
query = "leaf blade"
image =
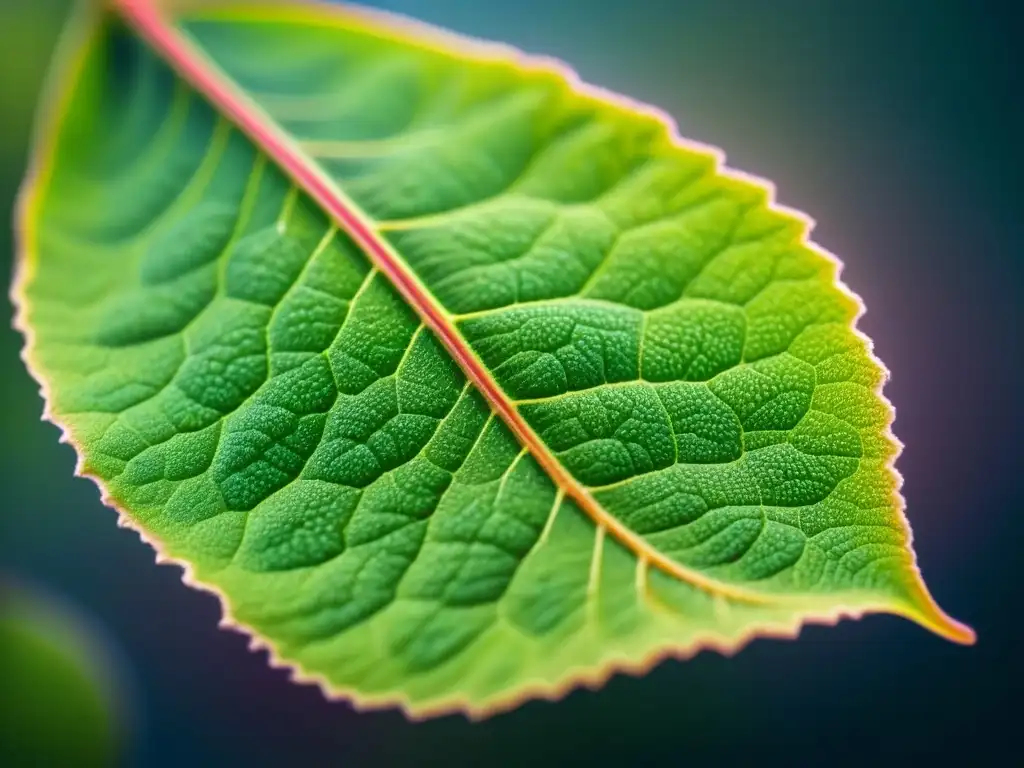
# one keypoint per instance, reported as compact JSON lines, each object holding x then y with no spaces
{"x":594,"y":554}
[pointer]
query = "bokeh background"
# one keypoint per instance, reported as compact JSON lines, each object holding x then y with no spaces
{"x":895,"y":123}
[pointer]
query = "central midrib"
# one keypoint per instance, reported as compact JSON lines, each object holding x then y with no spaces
{"x":203,"y":74}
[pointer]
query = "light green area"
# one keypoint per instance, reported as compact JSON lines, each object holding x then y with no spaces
{"x":260,"y":401}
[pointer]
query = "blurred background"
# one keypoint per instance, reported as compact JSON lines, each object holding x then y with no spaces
{"x":897,"y":125}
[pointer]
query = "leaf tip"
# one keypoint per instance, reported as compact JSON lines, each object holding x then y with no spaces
{"x":944,"y":625}
{"x":921,"y":608}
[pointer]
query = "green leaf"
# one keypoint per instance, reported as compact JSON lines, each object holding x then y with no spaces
{"x":458,"y":381}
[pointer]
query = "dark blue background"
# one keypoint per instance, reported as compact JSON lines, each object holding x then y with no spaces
{"x":896,"y":124}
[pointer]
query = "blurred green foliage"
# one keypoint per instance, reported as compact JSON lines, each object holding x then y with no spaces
{"x":57,"y":699}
